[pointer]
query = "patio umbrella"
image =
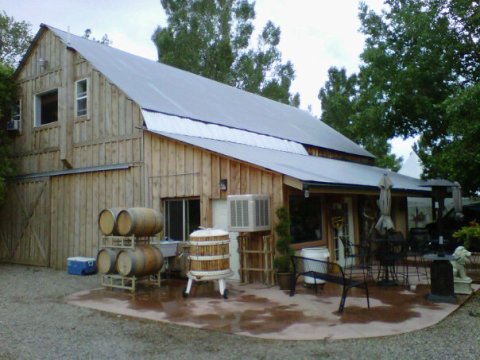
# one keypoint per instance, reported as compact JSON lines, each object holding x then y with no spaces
{"x":457,"y":199}
{"x":385,"y":222}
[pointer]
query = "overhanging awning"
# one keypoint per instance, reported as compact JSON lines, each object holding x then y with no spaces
{"x":311,"y":171}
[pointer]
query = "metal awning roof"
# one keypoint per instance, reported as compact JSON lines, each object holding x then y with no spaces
{"x":312,"y":171}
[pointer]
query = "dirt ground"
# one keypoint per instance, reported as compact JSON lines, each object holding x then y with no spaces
{"x":37,"y":323}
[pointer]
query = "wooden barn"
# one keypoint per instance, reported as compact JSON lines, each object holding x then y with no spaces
{"x":97,"y":127}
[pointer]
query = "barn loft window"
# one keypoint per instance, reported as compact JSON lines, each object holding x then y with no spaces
{"x":182,"y":217}
{"x":46,"y":107}
{"x":81,"y":98}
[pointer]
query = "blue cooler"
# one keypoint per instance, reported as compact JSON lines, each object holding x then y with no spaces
{"x":81,"y":265}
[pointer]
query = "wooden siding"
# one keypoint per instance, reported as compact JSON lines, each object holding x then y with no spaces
{"x":76,"y":201}
{"x":177,"y":170}
{"x":109,"y":134}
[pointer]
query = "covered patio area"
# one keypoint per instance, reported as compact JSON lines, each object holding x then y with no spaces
{"x":266,"y":312}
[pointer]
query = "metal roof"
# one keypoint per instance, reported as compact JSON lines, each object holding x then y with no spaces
{"x":162,"y":88}
{"x":308,"y":169}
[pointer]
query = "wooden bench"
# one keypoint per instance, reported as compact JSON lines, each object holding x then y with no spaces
{"x":328,"y":272}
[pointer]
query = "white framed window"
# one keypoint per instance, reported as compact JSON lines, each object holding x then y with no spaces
{"x":81,"y":98}
{"x":17,"y":111}
{"x":182,"y":217}
{"x":46,"y":108}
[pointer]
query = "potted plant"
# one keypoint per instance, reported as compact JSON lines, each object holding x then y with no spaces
{"x":469,"y":236}
{"x":282,"y":261}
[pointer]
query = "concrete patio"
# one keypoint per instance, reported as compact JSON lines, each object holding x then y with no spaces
{"x":267,"y":312}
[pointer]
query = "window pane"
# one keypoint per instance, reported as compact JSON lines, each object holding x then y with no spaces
{"x":193,"y":217}
{"x":306,"y":217}
{"x":82,"y":107}
{"x":174,"y":219}
{"x":81,"y":88}
{"x":16,"y":111}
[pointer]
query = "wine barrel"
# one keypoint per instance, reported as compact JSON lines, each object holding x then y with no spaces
{"x":140,"y":261}
{"x":209,"y":252}
{"x":106,"y":260}
{"x":107,"y":220}
{"x":139,"y":222}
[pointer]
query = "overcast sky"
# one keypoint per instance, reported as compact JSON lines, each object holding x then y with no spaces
{"x":316,"y":34}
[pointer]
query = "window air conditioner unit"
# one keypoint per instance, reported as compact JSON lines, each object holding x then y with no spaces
{"x":13,"y":125}
{"x":249,"y":213}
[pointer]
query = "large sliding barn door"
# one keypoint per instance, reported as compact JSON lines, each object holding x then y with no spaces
{"x":25,"y":223}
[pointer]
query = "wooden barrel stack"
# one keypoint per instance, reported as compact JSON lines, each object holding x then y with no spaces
{"x":141,"y":260}
{"x":209,"y":252}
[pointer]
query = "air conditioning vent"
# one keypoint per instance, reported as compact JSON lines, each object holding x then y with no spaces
{"x":13,"y":125}
{"x":248,"y":213}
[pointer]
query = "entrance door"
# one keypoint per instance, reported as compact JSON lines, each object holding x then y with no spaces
{"x":343,"y":231}
{"x":220,"y":221}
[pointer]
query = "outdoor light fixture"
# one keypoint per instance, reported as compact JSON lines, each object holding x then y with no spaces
{"x":306,"y":193}
{"x":43,"y":63}
{"x":223,"y":184}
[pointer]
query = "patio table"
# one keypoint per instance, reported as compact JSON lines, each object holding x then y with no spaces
{"x":390,"y":251}
{"x":441,"y":277}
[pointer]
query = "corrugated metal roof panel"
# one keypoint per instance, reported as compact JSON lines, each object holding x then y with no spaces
{"x":310,"y":169}
{"x":165,"y":89}
{"x":176,"y":125}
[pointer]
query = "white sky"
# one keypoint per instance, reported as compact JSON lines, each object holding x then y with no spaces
{"x":316,"y":34}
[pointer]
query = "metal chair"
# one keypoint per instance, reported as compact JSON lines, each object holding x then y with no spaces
{"x":418,"y":246}
{"x":360,"y":257}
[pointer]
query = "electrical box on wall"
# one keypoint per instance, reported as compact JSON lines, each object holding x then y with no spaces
{"x":249,"y":213}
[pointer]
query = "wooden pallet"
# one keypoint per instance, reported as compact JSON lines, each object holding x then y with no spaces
{"x":256,"y":258}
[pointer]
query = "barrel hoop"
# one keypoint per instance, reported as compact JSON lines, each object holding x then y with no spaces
{"x":208,"y":258}
{"x":210,"y":274}
{"x":218,"y":242}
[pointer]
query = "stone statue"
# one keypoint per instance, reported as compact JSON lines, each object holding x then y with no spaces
{"x":462,"y":283}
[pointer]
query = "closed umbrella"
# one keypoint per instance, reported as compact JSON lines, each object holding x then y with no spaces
{"x":385,"y":222}
{"x":457,"y":199}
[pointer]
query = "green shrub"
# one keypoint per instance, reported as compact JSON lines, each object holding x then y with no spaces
{"x":282,"y":261}
{"x":469,"y":235}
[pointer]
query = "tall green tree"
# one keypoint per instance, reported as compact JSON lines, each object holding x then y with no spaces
{"x":419,"y":76}
{"x":342,"y":109}
{"x":14,"y":41}
{"x":212,"y":38}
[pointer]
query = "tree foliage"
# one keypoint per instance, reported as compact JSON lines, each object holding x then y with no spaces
{"x":212,"y":38}
{"x":104,"y":40}
{"x":342,"y":109}
{"x":15,"y":39}
{"x":419,"y":76}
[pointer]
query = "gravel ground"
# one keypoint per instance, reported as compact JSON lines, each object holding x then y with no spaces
{"x":37,"y":323}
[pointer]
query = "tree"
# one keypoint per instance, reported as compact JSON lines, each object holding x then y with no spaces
{"x":342,"y":109}
{"x":421,"y":60}
{"x":211,"y":38}
{"x":420,"y":76}
{"x":104,"y":40}
{"x":15,"y":39}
